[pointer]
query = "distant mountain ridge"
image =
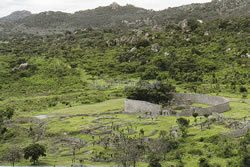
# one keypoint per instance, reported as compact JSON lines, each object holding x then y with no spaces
{"x":18,"y":15}
{"x":115,"y":15}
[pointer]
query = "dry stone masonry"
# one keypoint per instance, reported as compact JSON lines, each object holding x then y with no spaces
{"x":137,"y":106}
{"x":215,"y":105}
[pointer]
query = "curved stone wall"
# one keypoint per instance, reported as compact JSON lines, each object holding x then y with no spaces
{"x":216,"y":104}
{"x":199,"y":98}
{"x":137,"y":106}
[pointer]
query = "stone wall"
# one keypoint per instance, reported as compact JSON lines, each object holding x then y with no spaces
{"x":216,"y":104}
{"x":137,"y":106}
{"x":199,"y":98}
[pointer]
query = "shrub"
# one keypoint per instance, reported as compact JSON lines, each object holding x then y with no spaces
{"x":142,"y":43}
{"x":243,"y":89}
{"x":203,"y":162}
{"x":149,"y":74}
{"x":158,"y":92}
{"x":195,"y":152}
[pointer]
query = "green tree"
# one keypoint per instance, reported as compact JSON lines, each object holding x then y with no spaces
{"x":195,"y":115}
{"x":243,"y":91}
{"x":183,"y":125}
{"x":158,"y":92}
{"x":33,"y":152}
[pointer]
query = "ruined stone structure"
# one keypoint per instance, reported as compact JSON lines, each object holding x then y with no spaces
{"x":137,"y":106}
{"x":216,"y":105}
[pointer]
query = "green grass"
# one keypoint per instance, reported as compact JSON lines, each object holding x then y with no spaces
{"x":69,"y":126}
{"x":200,"y":105}
{"x":239,"y":109}
{"x":98,"y":108}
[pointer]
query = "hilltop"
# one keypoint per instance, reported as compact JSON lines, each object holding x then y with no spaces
{"x":115,"y":15}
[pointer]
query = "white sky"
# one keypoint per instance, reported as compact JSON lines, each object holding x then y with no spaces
{"x":35,"y":6}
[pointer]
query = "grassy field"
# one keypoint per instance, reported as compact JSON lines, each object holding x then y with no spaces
{"x":71,"y":121}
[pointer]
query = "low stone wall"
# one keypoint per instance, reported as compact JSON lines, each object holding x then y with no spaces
{"x":137,"y":106}
{"x":216,"y":104}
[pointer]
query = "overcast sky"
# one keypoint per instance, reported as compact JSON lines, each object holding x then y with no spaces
{"x":35,"y":6}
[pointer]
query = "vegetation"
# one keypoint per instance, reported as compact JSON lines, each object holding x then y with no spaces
{"x":65,"y":91}
{"x":33,"y":152}
{"x":156,"y":93}
{"x":13,"y":155}
{"x":5,"y":115}
{"x":183,"y":124}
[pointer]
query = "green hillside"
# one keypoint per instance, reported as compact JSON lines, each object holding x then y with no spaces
{"x":67,"y":90}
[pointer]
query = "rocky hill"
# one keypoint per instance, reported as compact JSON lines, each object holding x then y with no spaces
{"x":15,"y":16}
{"x":206,"y":11}
{"x":116,"y":15}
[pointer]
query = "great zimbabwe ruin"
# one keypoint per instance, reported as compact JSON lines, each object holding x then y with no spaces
{"x":181,"y":105}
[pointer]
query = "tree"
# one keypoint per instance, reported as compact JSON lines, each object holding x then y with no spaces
{"x":195,"y":115}
{"x":183,"y":122}
{"x":75,"y":145}
{"x":183,"y":125}
{"x":207,"y":120}
{"x":13,"y":155}
{"x":6,"y":114}
{"x":243,"y":91}
{"x":33,"y":152}
{"x":37,"y":132}
{"x":158,"y":92}
{"x":127,"y":151}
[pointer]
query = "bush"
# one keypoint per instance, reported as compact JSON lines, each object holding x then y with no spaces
{"x":149,"y":74}
{"x":246,"y":160}
{"x":158,"y":92}
{"x":154,"y":161}
{"x":142,"y":43}
{"x":203,"y":162}
{"x":195,"y":152}
{"x":52,"y":104}
{"x":243,"y":89}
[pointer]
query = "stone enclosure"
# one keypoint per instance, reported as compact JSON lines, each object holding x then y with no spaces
{"x":181,"y":105}
{"x":137,"y":106}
